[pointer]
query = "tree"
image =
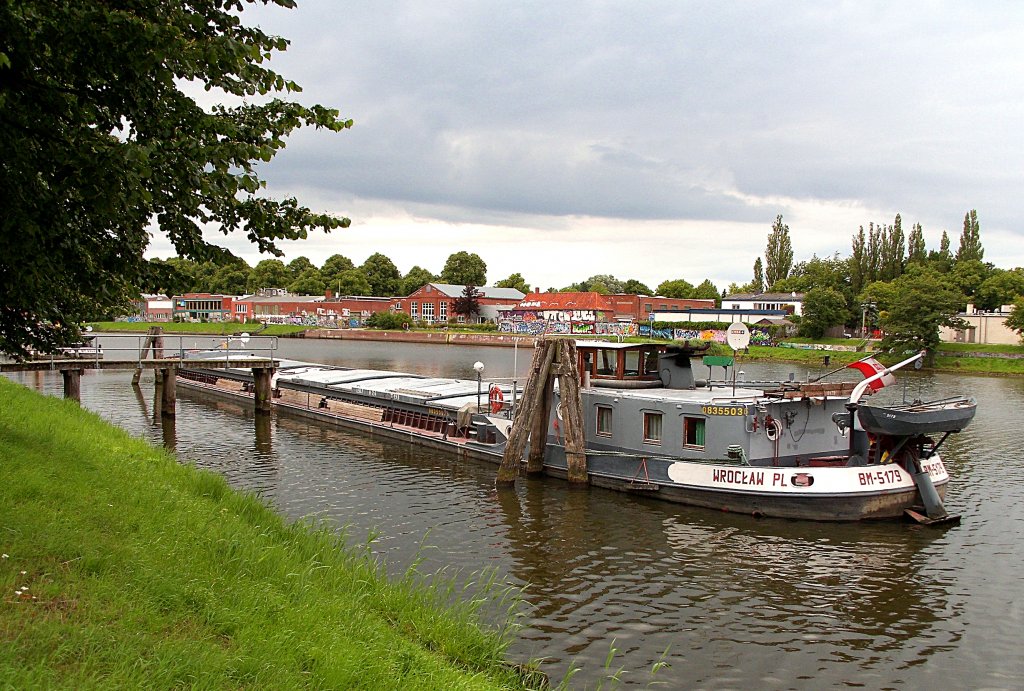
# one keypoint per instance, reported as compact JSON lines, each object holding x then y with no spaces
{"x":1001,"y":288}
{"x":968,"y":275}
{"x":335,"y":264}
{"x":298,"y":266}
{"x":384,"y":277}
{"x":416,"y":279}
{"x":467,"y":304}
{"x":892,"y":259}
{"x":970,"y":248}
{"x":916,"y":250}
{"x":758,"y":282}
{"x":309,"y":282}
{"x":269,"y":273}
{"x":635,"y":287}
{"x":172,"y":277}
{"x":859,"y":270}
{"x":778,"y":255}
{"x":352,"y":282}
{"x":230,"y":279}
{"x":603,"y":283}
{"x":923,"y":302}
{"x":679,"y":288}
{"x":464,"y":268}
{"x":1016,"y":319}
{"x":516,"y":281}
{"x":823,"y":309}
{"x":707,"y":291}
{"x":100,"y":142}
{"x":942,"y":260}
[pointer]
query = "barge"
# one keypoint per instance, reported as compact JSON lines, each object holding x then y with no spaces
{"x":780,"y":449}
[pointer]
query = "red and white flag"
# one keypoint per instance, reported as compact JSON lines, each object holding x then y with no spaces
{"x":869,"y":367}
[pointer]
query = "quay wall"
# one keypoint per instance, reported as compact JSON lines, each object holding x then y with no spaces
{"x":436,"y":337}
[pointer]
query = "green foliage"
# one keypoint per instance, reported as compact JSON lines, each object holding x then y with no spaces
{"x":416,"y":279}
{"x":516,"y":281}
{"x":678,"y":288}
{"x":1016,"y":319}
{"x":635,"y":287}
{"x":309,"y":282}
{"x":390,"y":321}
{"x":335,"y":264}
{"x":384,"y":277}
{"x":968,"y":275}
{"x":707,"y":291}
{"x":464,"y":269}
{"x":778,"y":254}
{"x":916,"y":250}
{"x":923,"y":302}
{"x":351,"y":282}
{"x":269,"y":273}
{"x":823,"y":309}
{"x":230,"y":280}
{"x":1001,"y":288}
{"x":99,"y":142}
{"x":298,"y":266}
{"x":758,"y":283}
{"x":970,"y":248}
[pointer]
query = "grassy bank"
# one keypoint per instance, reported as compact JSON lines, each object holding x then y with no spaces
{"x":209,"y":329}
{"x":123,"y":568}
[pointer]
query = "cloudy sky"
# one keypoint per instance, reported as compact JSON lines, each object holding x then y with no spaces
{"x":649,"y":140}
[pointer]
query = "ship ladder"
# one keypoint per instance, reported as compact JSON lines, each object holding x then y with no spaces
{"x":645,"y":484}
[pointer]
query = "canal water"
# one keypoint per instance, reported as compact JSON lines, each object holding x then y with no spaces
{"x":726,"y":601}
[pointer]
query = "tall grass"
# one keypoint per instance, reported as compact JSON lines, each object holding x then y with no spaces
{"x":123,"y":568}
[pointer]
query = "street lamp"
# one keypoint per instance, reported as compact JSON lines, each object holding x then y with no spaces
{"x":479,"y":367}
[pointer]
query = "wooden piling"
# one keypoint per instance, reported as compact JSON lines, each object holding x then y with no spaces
{"x":533,"y":395}
{"x":167,"y":388}
{"x":261,"y":377}
{"x":72,"y":384}
{"x":572,"y":415}
{"x":149,"y":344}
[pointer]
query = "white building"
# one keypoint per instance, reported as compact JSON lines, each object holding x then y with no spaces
{"x":987,"y":328}
{"x":791,"y":303}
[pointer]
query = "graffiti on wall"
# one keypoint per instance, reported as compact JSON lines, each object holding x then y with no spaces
{"x":758,"y":335}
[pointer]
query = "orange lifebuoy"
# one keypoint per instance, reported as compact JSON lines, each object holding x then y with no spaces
{"x":496,"y":398}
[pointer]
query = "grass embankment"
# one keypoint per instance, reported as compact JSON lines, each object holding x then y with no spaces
{"x":200,"y":329}
{"x":123,"y":568}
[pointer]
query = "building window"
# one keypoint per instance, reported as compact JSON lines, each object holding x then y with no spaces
{"x":652,"y":428}
{"x":648,"y":306}
{"x":428,"y":311}
{"x":397,"y":307}
{"x":414,"y":308}
{"x":442,"y":311}
{"x":693,"y":432}
{"x":604,"y":421}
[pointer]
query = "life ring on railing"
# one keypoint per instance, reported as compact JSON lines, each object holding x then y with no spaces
{"x":496,"y":398}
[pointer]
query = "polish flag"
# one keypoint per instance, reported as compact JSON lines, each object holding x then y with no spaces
{"x":869,"y":367}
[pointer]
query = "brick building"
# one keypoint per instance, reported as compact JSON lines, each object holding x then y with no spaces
{"x":434,"y":302}
{"x":639,"y":308}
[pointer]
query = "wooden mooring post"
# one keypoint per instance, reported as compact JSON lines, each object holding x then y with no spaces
{"x":154,"y":343}
{"x":552,"y":357}
{"x":72,"y":384}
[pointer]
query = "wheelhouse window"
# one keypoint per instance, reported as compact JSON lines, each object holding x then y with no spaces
{"x":607,"y":363}
{"x":693,"y":432}
{"x":604,"y":421}
{"x":652,"y":428}
{"x":632,"y":368}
